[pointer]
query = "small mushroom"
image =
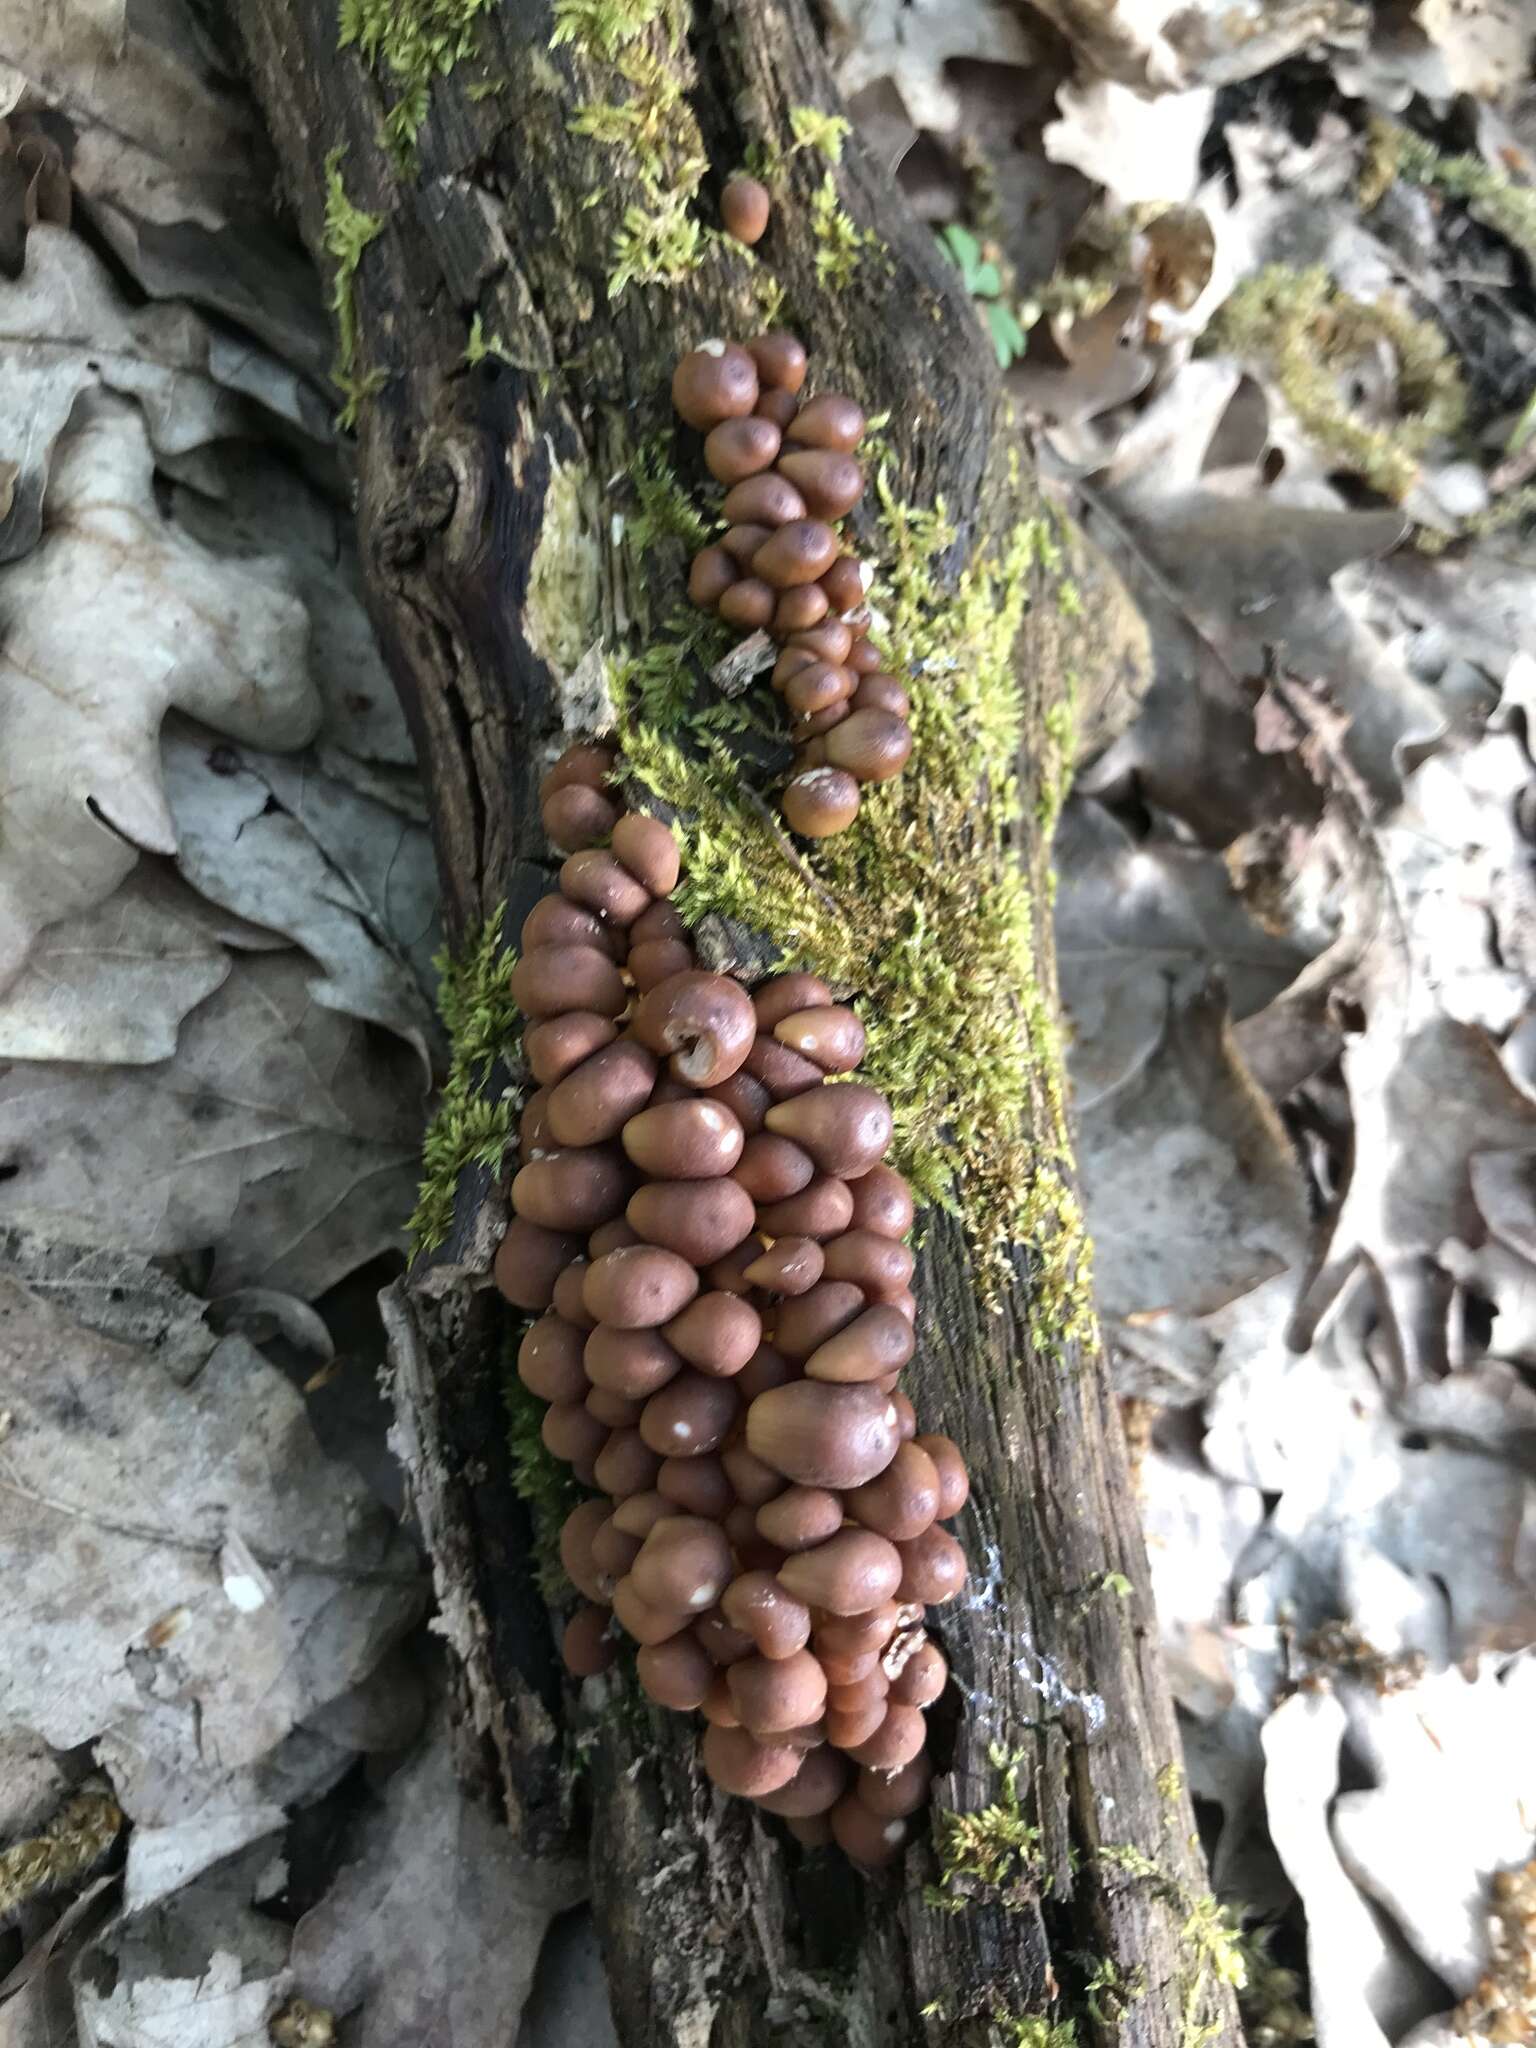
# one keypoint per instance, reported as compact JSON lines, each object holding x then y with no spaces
{"x":586,"y":1646}
{"x":831,"y":421}
{"x":748,"y":604}
{"x":754,"y":1481}
{"x":572,"y":1189}
{"x":675,"y":1674}
{"x":639,"y":1287}
{"x":692,"y":1415}
{"x":595,"y":1102}
{"x":768,"y":1614}
{"x":569,"y":1299}
{"x":738,"y":449}
{"x":614,"y":1411}
{"x":844,"y":1125}
{"x":906,"y":1416}
{"x":742,"y":542}
{"x":569,"y":1433}
{"x":903,"y":1501}
{"x":817,"y":688}
{"x":814,"y":1789}
{"x":879,"y":692}
{"x":821,"y":801}
{"x":798,"y":609}
{"x":800,"y":1516}
{"x":626,"y":1464}
{"x":933,"y":1567}
{"x":871,"y":745}
{"x":882,"y":1202}
{"x":866,"y":1838}
{"x":613,"y":1236}
{"x":766,"y":1368}
{"x":781,"y":360}
{"x":848,"y":1574}
{"x":638,"y":1515}
{"x":772,"y":1168}
{"x":529,"y":1261}
{"x":775,"y":1694}
{"x":894,"y":1795}
{"x":882,"y":1266}
{"x":805,"y":1324}
{"x":704,"y":1022}
{"x":737,"y":1762}
{"x":647,"y":848}
{"x":783,"y":994}
{"x":821,"y":1435}
{"x":576,"y":1535}
{"x":684,"y":1564}
{"x":717,"y":1333}
{"x":830,"y":1036}
{"x":558,"y":1046}
{"x":831,"y":641}
{"x":689,"y":1140}
{"x":716,"y":381}
{"x":575,"y":817}
{"x":549,"y":1360}
{"x":614,"y":1550}
{"x":697,"y":1486}
{"x":745,"y":1097}
{"x":601,"y":883}
{"x":719,"y":1641}
{"x":744,"y":209}
{"x":797,"y":552}
{"x":864,"y":659}
{"x":769,"y":500}
{"x":778,"y":406}
{"x":553,"y":979}
{"x":830,"y":482}
{"x":846,"y":582}
{"x":790,"y":1266}
{"x":710,"y":575}
{"x":922,"y":1677}
{"x":848,"y":1727}
{"x":897,"y":1741}
{"x":822,"y":1210}
{"x":859,"y":1634}
{"x":954,"y":1480}
{"x":656,"y":960}
{"x":701,"y":1220}
{"x":638,"y":1618}
{"x":782,"y":1072}
{"x":876,"y":1344}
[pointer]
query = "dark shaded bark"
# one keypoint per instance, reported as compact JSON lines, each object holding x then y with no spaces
{"x":716,"y":1929}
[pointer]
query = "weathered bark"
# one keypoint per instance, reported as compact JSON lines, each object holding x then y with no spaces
{"x":716,"y":1929}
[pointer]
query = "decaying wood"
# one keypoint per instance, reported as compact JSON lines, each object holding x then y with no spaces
{"x":716,"y":1930}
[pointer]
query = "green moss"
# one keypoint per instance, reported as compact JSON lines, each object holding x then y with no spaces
{"x":1306,"y":333}
{"x":481,"y":346}
{"x":474,"y":998}
{"x":1033,"y":2030}
{"x":411,"y":43}
{"x":991,"y":1856}
{"x":658,"y":239}
{"x":840,"y":245}
{"x":1215,"y":1944}
{"x":348,"y":232}
{"x":1170,"y":1783}
{"x":541,"y":1480}
{"x":920,"y":908}
{"x":825,"y":133}
{"x":1490,"y":195}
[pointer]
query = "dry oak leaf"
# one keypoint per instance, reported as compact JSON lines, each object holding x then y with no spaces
{"x":113,"y":618}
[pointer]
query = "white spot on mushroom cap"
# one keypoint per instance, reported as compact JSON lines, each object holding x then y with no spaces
{"x":809,"y":777}
{"x":713,"y":347}
{"x":893,"y":1832}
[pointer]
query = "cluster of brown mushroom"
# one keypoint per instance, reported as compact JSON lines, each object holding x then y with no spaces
{"x":705,"y":1221}
{"x":789,"y":472}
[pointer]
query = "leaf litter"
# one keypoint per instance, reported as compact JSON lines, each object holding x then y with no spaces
{"x":1260,"y":290}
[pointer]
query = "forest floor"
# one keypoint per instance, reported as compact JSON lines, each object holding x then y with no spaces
{"x":1261,"y":285}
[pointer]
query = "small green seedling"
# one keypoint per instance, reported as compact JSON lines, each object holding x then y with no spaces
{"x":984,"y":281}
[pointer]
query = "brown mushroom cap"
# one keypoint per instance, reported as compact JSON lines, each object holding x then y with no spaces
{"x":738,"y":449}
{"x":690,"y":1140}
{"x":558,"y":1046}
{"x":662,"y":921}
{"x":817,"y":689}
{"x":753,"y":1481}
{"x":821,"y":801}
{"x":790,"y":1265}
{"x":553,"y":979}
{"x":529,"y":1261}
{"x":804,"y":1324}
{"x":691,"y":1415}
{"x":704,"y":1021}
{"x":893,"y":1795}
{"x":783,"y":994}
{"x":675,"y":1674}
{"x":574,"y":1189}
{"x":866,"y":1838}
{"x":871,"y":745}
{"x":832,"y":641}
{"x":954,"y":1480}
{"x":797,"y":609}
{"x":614,"y":1549}
{"x":716,"y":381}
{"x":821,"y":1435}
{"x":845,"y":583}
{"x":737,"y":1762}
{"x":595,"y":1102}
{"x":585,"y":761}
{"x":626,"y":1464}
{"x":882,"y":1266}
{"x":576,"y":1533}
{"x":781,"y":360}
{"x":771,"y":1168}
{"x":859,"y":1634}
{"x":684,"y":1564}
{"x":697,"y":1485}
{"x":600,"y":882}
{"x":721,"y":1643}
{"x":879,"y":692}
{"x":748,"y":604}
{"x":922,"y":1677}
{"x":903,"y":1500}
{"x":639,"y":1287}
{"x":848,"y":1727}
{"x":568,"y":1432}
{"x":933,"y":1567}
{"x":568,"y":1296}
{"x":797,"y":552}
{"x":742,"y":542}
{"x":768,"y":500}
{"x":782,"y":1072}
{"x":844,"y":1125}
{"x":556,"y":921}
{"x":615,"y":1411}
{"x":898,"y":1740}
{"x":710,"y":575}
{"x":814,"y":1789}
{"x":830,"y":1036}
{"x":831,"y":421}
{"x":640,"y":1513}
{"x":656,"y":960}
{"x":882,"y":1202}
{"x":775,"y":1694}
{"x":613,"y":1236}
{"x":549,"y":1360}
{"x":717,"y":1332}
{"x":745,"y":1097}
{"x":533,"y":1132}
{"x":701,"y":1220}
{"x":650,"y":853}
{"x":830,"y":482}
{"x":874,"y":1344}
{"x":766,"y":1613}
{"x":766,"y":1368}
{"x":586,"y":1645}
{"x":576,"y":816}
{"x":850,"y":1573}
{"x":778,"y":406}
{"x":744,"y":209}
{"x":631,"y":1363}
{"x":638,"y":1618}
{"x":718,"y":1708}
{"x":822,"y":1210}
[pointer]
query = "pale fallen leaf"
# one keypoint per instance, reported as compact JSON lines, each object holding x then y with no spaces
{"x":1138,"y":149}
{"x":283,"y":1135}
{"x":430,"y":1936}
{"x":911,"y":41}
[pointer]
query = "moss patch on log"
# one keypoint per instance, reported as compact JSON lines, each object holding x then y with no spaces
{"x":348,"y":232}
{"x":410,"y":43}
{"x":470,"y":1127}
